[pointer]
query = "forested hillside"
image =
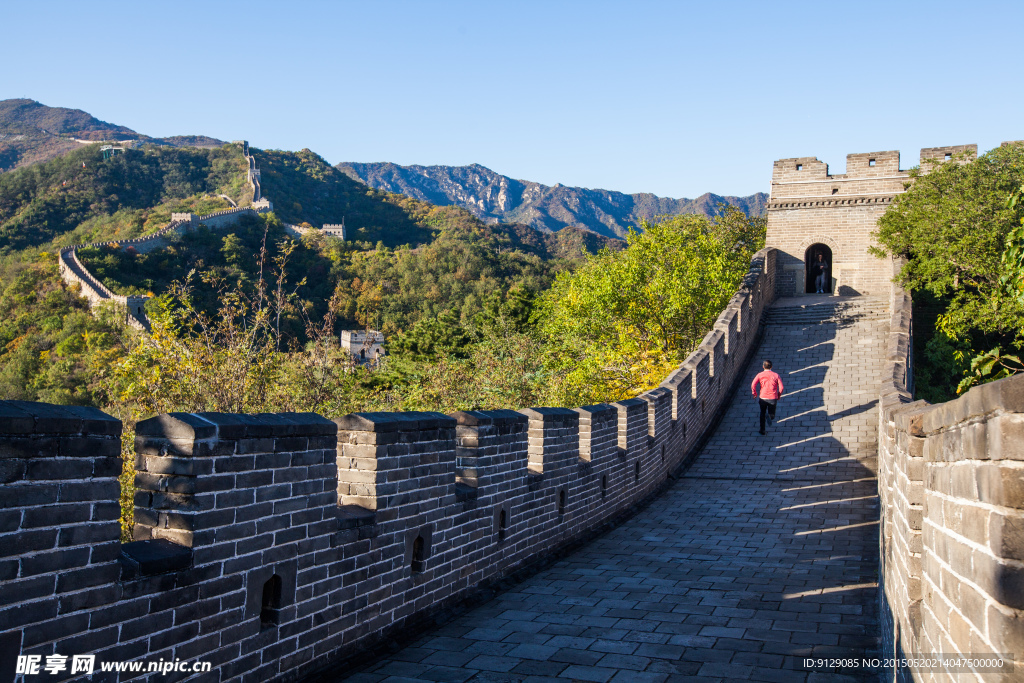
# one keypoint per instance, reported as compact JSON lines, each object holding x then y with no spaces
{"x":409,"y":260}
{"x":31,"y":133}
{"x":246,"y":318}
{"x":497,"y":198}
{"x":81,"y":196}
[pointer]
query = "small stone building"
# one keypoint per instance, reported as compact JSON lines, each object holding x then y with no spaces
{"x":365,"y":346}
{"x":334,"y":229}
{"x":811,"y":212}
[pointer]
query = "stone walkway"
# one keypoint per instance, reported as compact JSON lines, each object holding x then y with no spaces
{"x":764,"y":554}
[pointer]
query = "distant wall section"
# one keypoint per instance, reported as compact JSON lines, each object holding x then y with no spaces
{"x":73,"y":271}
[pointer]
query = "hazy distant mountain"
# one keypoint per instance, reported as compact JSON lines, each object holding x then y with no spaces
{"x":31,"y":132}
{"x":494,"y":197}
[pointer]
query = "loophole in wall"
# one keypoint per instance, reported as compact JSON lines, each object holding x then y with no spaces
{"x":419,"y":554}
{"x":270,"y":609}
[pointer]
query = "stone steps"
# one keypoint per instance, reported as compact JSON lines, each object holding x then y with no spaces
{"x":819,"y":312}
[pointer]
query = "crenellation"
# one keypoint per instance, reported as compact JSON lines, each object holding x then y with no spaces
{"x":598,"y":426}
{"x":943,"y":154}
{"x":632,"y":426}
{"x":681,"y":384}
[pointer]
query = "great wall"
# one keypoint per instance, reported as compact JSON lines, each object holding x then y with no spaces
{"x":658,"y":535}
{"x":134,"y":307}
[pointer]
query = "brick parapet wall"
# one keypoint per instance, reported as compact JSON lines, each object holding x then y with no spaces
{"x":952,"y":514}
{"x":59,"y":525}
{"x":275,"y":545}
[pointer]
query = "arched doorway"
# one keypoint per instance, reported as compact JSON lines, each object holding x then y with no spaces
{"x":811,"y":272}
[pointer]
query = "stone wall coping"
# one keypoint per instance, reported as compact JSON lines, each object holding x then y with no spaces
{"x":177,"y":426}
{"x":394,"y":422}
{"x":631,"y":403}
{"x":908,"y":416}
{"x":472,"y":418}
{"x":551,"y":414}
{"x":1005,"y":395}
{"x":597,"y":411}
{"x":677,"y":377}
{"x":28,"y":417}
{"x":655,"y":395}
{"x":237,"y":426}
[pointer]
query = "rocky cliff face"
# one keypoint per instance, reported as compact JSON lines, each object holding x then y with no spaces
{"x":494,"y":197}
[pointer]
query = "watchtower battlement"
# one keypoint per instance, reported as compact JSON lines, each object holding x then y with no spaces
{"x":811,"y":212}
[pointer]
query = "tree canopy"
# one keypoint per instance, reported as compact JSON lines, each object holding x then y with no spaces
{"x":623,"y":320}
{"x":951,"y":227}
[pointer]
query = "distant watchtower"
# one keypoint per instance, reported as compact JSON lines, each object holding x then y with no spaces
{"x":365,"y":346}
{"x":110,"y":151}
{"x":811,"y":212}
{"x":335,"y":229}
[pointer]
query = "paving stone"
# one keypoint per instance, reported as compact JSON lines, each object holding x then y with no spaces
{"x":492,"y":663}
{"x":536,"y":668}
{"x":588,"y":673}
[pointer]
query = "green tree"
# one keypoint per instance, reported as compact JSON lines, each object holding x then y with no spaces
{"x":235,"y":253}
{"x":951,"y":226}
{"x":619,"y":324}
{"x":194,"y":361}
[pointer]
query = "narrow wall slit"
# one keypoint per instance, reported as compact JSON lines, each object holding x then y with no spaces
{"x":419,"y":554}
{"x":270,"y":610}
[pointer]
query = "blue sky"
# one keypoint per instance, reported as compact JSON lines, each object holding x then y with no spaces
{"x":674,"y":98}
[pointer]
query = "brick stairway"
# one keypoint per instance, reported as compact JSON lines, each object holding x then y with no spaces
{"x":762,"y":555}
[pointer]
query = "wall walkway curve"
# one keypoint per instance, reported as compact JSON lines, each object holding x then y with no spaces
{"x":333,"y":509}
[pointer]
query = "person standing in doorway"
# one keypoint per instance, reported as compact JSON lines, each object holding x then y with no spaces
{"x":767,"y":389}
{"x":821,"y":278}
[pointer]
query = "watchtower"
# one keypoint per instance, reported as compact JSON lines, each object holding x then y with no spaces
{"x":812,"y":212}
{"x":335,"y":229}
{"x":109,"y":151}
{"x":365,"y":346}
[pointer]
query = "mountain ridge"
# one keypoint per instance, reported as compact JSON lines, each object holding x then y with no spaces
{"x":32,"y":132}
{"x":493,"y":197}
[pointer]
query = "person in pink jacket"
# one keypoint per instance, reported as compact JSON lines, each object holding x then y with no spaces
{"x":770,"y":391}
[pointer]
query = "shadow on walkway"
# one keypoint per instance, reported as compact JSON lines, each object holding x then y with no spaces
{"x":763,"y":555}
